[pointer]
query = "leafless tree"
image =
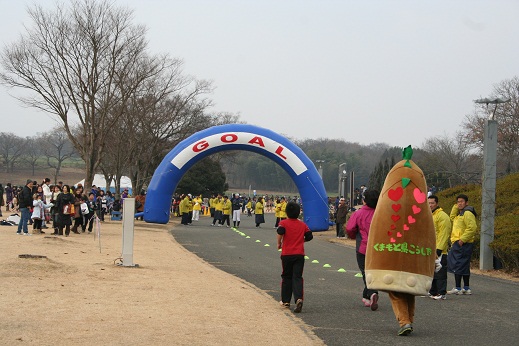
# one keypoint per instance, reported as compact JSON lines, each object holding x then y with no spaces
{"x":453,"y":157}
{"x":56,"y":147}
{"x":11,"y":150}
{"x":507,"y":115}
{"x":32,"y":152}
{"x":81,"y":62}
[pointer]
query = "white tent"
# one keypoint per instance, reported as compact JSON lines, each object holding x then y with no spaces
{"x":99,"y":181}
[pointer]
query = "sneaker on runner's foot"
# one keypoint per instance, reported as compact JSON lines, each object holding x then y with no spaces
{"x":285,"y":305}
{"x":374,"y":302}
{"x":299,"y":306}
{"x":405,"y":330}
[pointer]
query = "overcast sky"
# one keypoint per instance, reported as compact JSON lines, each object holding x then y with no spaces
{"x":362,"y":71}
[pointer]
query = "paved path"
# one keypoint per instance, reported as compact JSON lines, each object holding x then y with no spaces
{"x":332,"y":299}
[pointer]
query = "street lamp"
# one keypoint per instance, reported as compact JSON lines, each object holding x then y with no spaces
{"x":488,"y":189}
{"x":320,"y":170}
{"x":342,"y":174}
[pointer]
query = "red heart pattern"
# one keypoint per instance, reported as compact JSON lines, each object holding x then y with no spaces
{"x":396,"y":207}
{"x":411,"y":219}
{"x":393,"y":227}
{"x":389,"y":233}
{"x":392,"y":240}
{"x":396,"y":194}
{"x":399,"y":235}
{"x":395,"y":218}
{"x":419,"y":196}
{"x":405,"y":228}
{"x":416,"y":209}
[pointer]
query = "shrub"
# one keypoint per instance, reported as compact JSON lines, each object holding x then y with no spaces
{"x":506,"y":223}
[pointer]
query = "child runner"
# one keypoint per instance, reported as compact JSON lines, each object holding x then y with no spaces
{"x":291,"y":236}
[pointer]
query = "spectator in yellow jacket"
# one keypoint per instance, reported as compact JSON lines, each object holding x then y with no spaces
{"x":218,"y":210}
{"x":442,"y":227}
{"x":258,"y":212}
{"x":226,"y":211}
{"x":197,"y":206}
{"x":464,"y":228}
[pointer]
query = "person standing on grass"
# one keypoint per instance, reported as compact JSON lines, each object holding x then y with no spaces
{"x":340,"y":218}
{"x":64,"y":217}
{"x":2,"y":202}
{"x":24,"y":203}
{"x":292,"y":233}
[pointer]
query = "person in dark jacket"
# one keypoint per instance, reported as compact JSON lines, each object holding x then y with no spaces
{"x":340,"y":218}
{"x":64,"y":219}
{"x":24,"y":203}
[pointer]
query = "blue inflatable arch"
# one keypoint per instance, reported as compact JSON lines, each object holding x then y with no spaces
{"x":238,"y":137}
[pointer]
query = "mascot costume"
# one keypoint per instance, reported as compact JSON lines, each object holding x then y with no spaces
{"x":401,"y":251}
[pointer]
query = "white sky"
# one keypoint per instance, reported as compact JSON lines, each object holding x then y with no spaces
{"x":362,"y":71}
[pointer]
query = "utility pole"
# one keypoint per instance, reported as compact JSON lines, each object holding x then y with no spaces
{"x":342,"y":173}
{"x":320,"y":170}
{"x":488,"y":188}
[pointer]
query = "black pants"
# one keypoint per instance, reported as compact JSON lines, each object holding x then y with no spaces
{"x":292,"y":277}
{"x":361,"y":262}
{"x":439,"y":283}
{"x":225,"y":218}
{"x":217,"y":216}
{"x":340,"y":229}
{"x":185,"y":218}
{"x":89,"y":219}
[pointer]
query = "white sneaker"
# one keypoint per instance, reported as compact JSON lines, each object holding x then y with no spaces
{"x":27,"y":233}
{"x":467,"y":291}
{"x":455,"y":291}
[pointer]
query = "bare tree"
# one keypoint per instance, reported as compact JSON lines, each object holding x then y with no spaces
{"x":32,"y":152}
{"x":452,"y":156}
{"x":507,"y":116}
{"x":11,"y":150}
{"x":57,"y":148}
{"x":81,"y":63}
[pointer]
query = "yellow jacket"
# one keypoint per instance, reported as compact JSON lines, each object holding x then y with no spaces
{"x":185,"y":205}
{"x":282,"y":212}
{"x":464,"y":224}
{"x":278,"y":209}
{"x":443,"y":228}
{"x":226,"y":207}
{"x":259,"y":208}
{"x":218,"y":204}
{"x":197,"y":203}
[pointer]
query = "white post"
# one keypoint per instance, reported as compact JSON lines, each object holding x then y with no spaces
{"x":128,"y":223}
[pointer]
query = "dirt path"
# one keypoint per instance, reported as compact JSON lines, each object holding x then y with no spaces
{"x":78,"y":295}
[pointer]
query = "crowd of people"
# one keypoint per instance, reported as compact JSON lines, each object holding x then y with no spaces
{"x":65,"y":208}
{"x":223,"y":209}
{"x":60,"y":208}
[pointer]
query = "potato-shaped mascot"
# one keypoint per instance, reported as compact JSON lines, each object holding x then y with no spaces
{"x":401,"y":251}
